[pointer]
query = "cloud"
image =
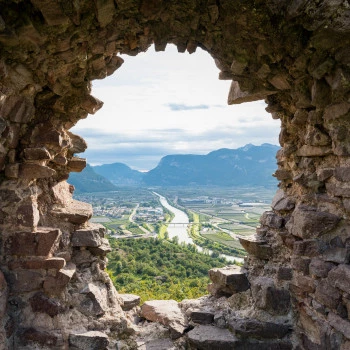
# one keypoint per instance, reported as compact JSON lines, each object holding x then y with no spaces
{"x":182,"y":107}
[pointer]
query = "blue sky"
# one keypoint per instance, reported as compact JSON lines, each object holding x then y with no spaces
{"x":161,"y":103}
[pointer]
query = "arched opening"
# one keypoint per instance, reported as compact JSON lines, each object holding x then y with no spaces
{"x":293,"y":54}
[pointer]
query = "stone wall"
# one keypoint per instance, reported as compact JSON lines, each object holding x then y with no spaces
{"x":295,"y":54}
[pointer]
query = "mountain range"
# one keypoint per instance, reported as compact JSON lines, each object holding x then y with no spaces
{"x":249,"y":165}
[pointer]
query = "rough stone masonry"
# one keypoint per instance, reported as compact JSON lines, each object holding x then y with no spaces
{"x":294,"y":290}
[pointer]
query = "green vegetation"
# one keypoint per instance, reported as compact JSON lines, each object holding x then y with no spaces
{"x":159,"y":269}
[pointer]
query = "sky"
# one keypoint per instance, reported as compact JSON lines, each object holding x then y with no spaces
{"x":161,"y":103}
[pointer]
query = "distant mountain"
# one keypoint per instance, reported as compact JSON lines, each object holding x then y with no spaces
{"x":120,"y":174}
{"x":249,"y":165}
{"x":89,"y":181}
{"x":246,"y":166}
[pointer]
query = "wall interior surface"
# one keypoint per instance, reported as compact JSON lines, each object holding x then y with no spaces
{"x":295,"y":286}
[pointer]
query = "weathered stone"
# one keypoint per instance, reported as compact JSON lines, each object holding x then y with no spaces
{"x":37,"y":153}
{"x":341,"y":325}
{"x":28,"y":215}
{"x":342,"y":174}
{"x":31,"y":336}
{"x":280,"y":82}
{"x":86,"y":238}
{"x":337,"y":255}
{"x":39,"y":243}
{"x":166,"y":312}
{"x":231,"y":279}
{"x":237,"y":96}
{"x":17,"y":109}
{"x":324,"y":174}
{"x":281,"y":202}
{"x":35,"y":171}
{"x":46,"y":264}
{"x":308,"y":247}
{"x":340,"y":277}
{"x":93,"y":340}
{"x":95,"y":302}
{"x":284,"y":273}
{"x":211,"y":338}
{"x":282,"y":174}
{"x":3,"y":295}
{"x":271,"y":220}
{"x":305,"y":284}
{"x":313,"y":151}
{"x":39,"y":302}
{"x":55,"y":285}
{"x":12,"y":171}
{"x":320,"y":268}
{"x":26,"y":281}
{"x":267,"y":297}
{"x":78,"y":143}
{"x":202,"y":317}
{"x":129,"y":301}
{"x":250,"y":328}
{"x":337,"y":110}
{"x":75,"y":212}
{"x":76,"y":164}
{"x":91,"y":104}
{"x":308,"y":222}
{"x":101,"y":250}
{"x":327,"y":295}
{"x":257,"y":247}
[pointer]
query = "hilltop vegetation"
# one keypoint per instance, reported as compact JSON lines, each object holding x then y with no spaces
{"x":159,"y":269}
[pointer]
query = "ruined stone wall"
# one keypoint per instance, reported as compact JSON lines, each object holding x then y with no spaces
{"x":295,"y":54}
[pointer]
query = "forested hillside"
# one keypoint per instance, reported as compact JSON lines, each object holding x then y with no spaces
{"x":159,"y":269}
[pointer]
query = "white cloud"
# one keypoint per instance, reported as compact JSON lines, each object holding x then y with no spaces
{"x":163,"y":103}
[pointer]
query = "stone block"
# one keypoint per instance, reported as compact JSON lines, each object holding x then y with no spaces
{"x":33,"y":337}
{"x":324,"y":174}
{"x":25,"y":281}
{"x":211,"y":338}
{"x":319,"y":267}
{"x":79,"y":145}
{"x":307,"y":222}
{"x":45,"y":264}
{"x":284,"y":273}
{"x":256,"y":247}
{"x":3,"y":295}
{"x":304,"y":283}
{"x":231,"y":279}
{"x":340,"y":324}
{"x":308,"y":247}
{"x":27,"y":214}
{"x":327,"y":295}
{"x":340,"y":277}
{"x":101,"y":250}
{"x":313,"y":151}
{"x":337,"y":255}
{"x":342,"y":174}
{"x":17,"y":109}
{"x":32,"y":171}
{"x":86,"y":238}
{"x":202,"y":317}
{"x":74,"y":212}
{"x":337,"y":110}
{"x":272,"y":220}
{"x":93,"y":340}
{"x":91,"y":104}
{"x":129,"y":301}
{"x":282,"y":202}
{"x":237,"y":96}
{"x":52,"y":12}
{"x":105,"y":11}
{"x":95,"y":301}
{"x":55,"y":285}
{"x":37,"y":153}
{"x":39,"y":302}
{"x":251,"y":328}
{"x":76,"y":164}
{"x":268,"y":297}
{"x":12,"y":171}
{"x":282,"y":174}
{"x":166,"y":312}
{"x":40,"y":243}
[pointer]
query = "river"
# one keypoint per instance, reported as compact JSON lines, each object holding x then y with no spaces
{"x":180,"y":230}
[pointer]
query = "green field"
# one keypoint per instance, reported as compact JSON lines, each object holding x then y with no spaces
{"x":223,"y":238}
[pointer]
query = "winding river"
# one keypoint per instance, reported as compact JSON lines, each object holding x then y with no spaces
{"x":180,"y":230}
